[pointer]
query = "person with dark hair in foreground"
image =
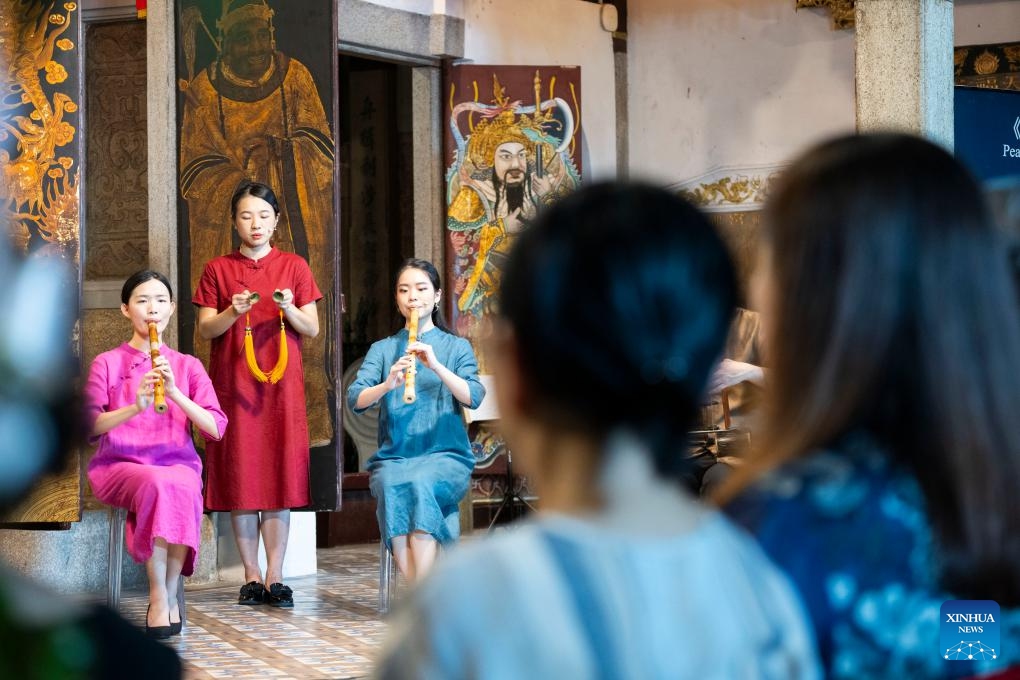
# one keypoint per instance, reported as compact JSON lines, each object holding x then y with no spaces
{"x":613,"y":310}
{"x":887,"y":479}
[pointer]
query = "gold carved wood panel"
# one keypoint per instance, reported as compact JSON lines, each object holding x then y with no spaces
{"x":992,"y":66}
{"x":56,"y":499}
{"x":40,"y":159}
{"x":116,"y":204}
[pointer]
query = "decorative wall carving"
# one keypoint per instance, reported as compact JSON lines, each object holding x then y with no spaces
{"x":117,"y":201}
{"x":842,"y":11}
{"x":102,"y":329}
{"x":729,"y":189}
{"x":39,"y":125}
{"x":993,"y":66}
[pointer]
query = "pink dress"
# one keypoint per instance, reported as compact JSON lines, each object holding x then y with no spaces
{"x":262,"y":462}
{"x":149,"y":464}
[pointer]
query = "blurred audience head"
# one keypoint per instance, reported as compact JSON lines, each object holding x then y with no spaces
{"x":889,"y":308}
{"x":614,"y":307}
{"x":38,"y":371}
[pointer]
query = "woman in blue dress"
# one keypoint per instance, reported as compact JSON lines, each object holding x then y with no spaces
{"x":423,"y":466}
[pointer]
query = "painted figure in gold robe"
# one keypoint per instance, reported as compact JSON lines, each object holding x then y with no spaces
{"x":255,"y":114}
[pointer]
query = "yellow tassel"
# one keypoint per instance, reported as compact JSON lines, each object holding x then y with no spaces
{"x":249,"y":355}
{"x":281,"y":361}
{"x":276,"y":374}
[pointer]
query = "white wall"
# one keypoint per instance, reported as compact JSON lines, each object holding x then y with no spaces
{"x":746,"y":83}
{"x":732,"y":83}
{"x":558,"y":33}
{"x":978,"y":22}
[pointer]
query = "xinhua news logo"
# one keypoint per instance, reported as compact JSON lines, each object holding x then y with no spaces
{"x":969,"y":630}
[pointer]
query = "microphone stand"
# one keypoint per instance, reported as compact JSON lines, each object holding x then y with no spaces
{"x":510,"y":493}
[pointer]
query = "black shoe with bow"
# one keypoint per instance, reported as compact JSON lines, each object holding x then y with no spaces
{"x":252,"y":592}
{"x":280,"y":595}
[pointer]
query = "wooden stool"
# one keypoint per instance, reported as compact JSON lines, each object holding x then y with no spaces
{"x":118,"y":518}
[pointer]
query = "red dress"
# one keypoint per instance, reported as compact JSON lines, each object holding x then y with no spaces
{"x":262,"y":461}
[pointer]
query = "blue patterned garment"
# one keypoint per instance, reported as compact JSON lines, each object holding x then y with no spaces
{"x":850,"y":529}
{"x":423,"y":466}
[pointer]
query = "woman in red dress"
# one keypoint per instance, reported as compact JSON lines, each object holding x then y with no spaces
{"x":259,"y":470}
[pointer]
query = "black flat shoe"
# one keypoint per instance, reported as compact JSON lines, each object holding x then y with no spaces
{"x":252,"y":592}
{"x":157,"y":632}
{"x":280,"y":595}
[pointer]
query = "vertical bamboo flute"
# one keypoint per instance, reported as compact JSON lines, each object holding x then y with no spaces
{"x":412,"y":336}
{"x":159,"y":394}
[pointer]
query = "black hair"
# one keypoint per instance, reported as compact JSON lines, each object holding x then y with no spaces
{"x":256,"y":189}
{"x":620,"y":296}
{"x":140,"y":277}
{"x":430,"y":270}
{"x":894,"y":313}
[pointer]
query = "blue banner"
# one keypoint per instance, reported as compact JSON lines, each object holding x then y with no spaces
{"x":987,"y":129}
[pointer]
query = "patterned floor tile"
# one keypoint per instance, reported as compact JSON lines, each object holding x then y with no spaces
{"x":333,"y":631}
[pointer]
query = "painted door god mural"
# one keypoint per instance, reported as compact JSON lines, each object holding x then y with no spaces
{"x":256,"y":83}
{"x":507,"y":157}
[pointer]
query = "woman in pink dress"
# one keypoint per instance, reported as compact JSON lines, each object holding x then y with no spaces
{"x":146,"y":461}
{"x":259,"y":471}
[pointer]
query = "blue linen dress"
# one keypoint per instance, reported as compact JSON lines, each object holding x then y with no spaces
{"x":850,"y":528}
{"x":423,"y":466}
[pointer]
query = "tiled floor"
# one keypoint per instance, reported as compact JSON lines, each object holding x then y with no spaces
{"x":333,"y":631}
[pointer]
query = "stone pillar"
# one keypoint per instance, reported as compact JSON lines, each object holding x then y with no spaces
{"x":905,"y":67}
{"x":162,"y":135}
{"x":427,"y":154}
